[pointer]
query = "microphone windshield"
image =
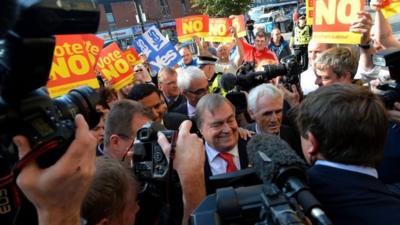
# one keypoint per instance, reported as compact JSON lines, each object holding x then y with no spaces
{"x":269,"y":154}
{"x":227,"y":81}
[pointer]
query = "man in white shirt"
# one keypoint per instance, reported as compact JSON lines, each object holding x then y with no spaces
{"x":225,"y":151}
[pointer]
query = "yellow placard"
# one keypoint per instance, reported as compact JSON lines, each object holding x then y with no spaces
{"x":332,"y":20}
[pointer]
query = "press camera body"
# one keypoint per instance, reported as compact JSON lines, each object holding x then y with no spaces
{"x":149,"y":160}
{"x":289,"y":69}
{"x":26,"y":53}
{"x":390,"y":91}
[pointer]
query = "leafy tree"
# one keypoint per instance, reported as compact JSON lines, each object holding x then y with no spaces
{"x":222,"y":8}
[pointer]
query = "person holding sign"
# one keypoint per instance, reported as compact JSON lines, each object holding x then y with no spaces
{"x":224,"y":64}
{"x":259,"y":53}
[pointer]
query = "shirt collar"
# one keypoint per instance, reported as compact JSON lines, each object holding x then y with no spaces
{"x":358,"y":169}
{"x":213,"y":153}
{"x":191,"y":110}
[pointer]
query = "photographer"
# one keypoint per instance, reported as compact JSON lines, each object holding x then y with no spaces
{"x":58,"y":191}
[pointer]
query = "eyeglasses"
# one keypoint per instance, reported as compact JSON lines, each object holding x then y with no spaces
{"x":130,"y":146}
{"x":199,"y":92}
{"x":138,"y":70}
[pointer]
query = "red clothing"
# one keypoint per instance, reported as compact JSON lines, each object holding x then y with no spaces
{"x":260,"y":57}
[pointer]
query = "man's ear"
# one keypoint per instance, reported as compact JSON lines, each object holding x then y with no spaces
{"x":251,"y":113}
{"x":114,"y":141}
{"x":310,"y":146}
{"x":346,"y":76}
{"x":103,"y":221}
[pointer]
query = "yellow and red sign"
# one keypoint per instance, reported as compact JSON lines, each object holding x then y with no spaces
{"x":239,"y":24}
{"x":332,"y":20}
{"x":93,"y":45}
{"x":132,"y":56}
{"x":114,"y":67}
{"x":390,"y":7}
{"x":219,"y":28}
{"x":71,"y":66}
{"x":310,"y":12}
{"x":190,"y":26}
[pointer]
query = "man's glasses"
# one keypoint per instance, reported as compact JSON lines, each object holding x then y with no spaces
{"x":199,"y":92}
{"x":138,"y":70}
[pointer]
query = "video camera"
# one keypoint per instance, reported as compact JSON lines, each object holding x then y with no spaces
{"x":258,"y":204}
{"x":391,"y":91}
{"x":149,"y":160}
{"x":26,"y":53}
{"x":289,"y":69}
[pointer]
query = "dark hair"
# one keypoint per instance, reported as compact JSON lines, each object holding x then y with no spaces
{"x":107,"y":94}
{"x":348,"y":121}
{"x":140,"y":91}
{"x":120,"y":118}
{"x":210,"y":102}
{"x":107,"y":196}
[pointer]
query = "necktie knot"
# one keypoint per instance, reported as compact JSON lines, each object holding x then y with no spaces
{"x":231,"y":167}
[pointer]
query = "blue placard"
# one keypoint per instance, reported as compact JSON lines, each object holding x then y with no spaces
{"x":159,"y":51}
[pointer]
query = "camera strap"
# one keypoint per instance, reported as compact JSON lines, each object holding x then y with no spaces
{"x":34,"y":154}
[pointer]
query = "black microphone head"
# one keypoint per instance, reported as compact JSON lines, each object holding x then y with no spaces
{"x":227,"y":81}
{"x":279,"y":157}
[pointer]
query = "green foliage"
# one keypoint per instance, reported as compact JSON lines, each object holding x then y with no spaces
{"x":222,"y":8}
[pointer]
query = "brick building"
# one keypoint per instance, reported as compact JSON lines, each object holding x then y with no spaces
{"x":119,"y":17}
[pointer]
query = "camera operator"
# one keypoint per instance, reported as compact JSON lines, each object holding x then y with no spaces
{"x":344,"y":155}
{"x":115,"y":189}
{"x":121,"y":126}
{"x":58,"y":191}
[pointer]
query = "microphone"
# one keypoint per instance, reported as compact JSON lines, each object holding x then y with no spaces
{"x":275,"y":161}
{"x":227,"y":81}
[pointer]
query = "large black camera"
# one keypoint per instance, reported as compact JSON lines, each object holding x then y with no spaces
{"x":26,"y":53}
{"x":149,"y":160}
{"x":390,"y":91}
{"x":289,"y":69}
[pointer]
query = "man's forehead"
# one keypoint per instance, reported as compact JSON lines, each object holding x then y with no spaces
{"x":219,"y":113}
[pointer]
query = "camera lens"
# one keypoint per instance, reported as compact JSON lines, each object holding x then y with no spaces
{"x":81,"y":100}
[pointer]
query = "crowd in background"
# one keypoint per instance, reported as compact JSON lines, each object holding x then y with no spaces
{"x":332,"y":118}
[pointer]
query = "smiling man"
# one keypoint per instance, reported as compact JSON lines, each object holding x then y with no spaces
{"x":225,"y":151}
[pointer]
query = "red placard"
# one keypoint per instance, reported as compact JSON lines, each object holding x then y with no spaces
{"x":187,"y":27}
{"x":71,"y":66}
{"x":114,"y":67}
{"x":332,"y":20}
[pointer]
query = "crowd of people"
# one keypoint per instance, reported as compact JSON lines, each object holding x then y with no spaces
{"x":334,"y":120}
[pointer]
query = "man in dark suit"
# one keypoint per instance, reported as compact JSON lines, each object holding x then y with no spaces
{"x":265,"y":104}
{"x":343,"y":129}
{"x":225,"y":151}
{"x":193,"y":84}
{"x":167,"y":84}
{"x":150,"y":97}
